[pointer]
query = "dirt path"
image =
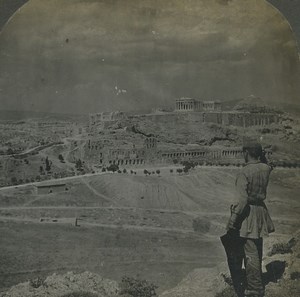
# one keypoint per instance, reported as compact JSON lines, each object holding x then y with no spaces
{"x":154,"y":210}
{"x":106,"y":198}
{"x":83,"y":223}
{"x":55,"y":180}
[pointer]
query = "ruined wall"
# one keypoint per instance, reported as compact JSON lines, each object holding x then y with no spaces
{"x":204,"y":154}
{"x":97,"y":118}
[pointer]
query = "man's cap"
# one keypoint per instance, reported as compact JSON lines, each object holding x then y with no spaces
{"x":254,"y":149}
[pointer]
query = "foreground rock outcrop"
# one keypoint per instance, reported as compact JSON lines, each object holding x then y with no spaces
{"x":85,"y":284}
{"x":281,"y":271}
{"x":200,"y":282}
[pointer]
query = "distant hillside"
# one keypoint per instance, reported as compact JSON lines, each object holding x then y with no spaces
{"x":282,"y":106}
{"x":17,"y":115}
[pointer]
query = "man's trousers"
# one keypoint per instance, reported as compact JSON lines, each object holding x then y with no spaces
{"x":253,"y":261}
{"x":250,"y":251}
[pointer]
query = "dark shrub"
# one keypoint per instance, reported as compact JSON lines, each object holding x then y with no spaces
{"x":282,"y":248}
{"x":179,"y":170}
{"x":80,"y":294}
{"x":113,"y":168}
{"x":295,"y":275}
{"x":37,"y":282}
{"x":137,"y":288}
{"x":227,"y":292}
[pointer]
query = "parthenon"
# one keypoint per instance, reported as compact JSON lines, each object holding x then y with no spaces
{"x":190,"y":104}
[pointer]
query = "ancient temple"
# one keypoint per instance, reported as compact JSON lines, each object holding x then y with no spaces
{"x":188,"y":104}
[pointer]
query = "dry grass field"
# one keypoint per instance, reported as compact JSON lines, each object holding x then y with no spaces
{"x":130,"y":225}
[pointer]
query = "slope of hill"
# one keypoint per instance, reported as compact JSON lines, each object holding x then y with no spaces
{"x":157,"y":227}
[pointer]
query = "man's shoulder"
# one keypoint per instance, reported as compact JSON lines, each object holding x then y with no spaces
{"x":258,"y":166}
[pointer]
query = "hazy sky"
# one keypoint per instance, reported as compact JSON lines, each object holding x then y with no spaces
{"x":96,"y":55}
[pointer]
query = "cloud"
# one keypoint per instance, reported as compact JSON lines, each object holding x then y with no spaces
{"x":201,"y":48}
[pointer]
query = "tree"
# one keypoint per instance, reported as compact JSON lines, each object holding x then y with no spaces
{"x":14,"y":180}
{"x":124,"y":170}
{"x":146,"y":171}
{"x":78,"y":165}
{"x":113,"y":167}
{"x":48,"y":165}
{"x":157,"y":171}
{"x":171,"y":170}
{"x":10,"y":151}
{"x":61,"y":158}
{"x":103,"y":169}
{"x":179,"y":170}
{"x":185,"y":169}
{"x":137,"y":288}
{"x":188,"y":165}
{"x":41,"y":169}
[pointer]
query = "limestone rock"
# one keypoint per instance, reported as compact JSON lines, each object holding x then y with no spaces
{"x":62,"y":285}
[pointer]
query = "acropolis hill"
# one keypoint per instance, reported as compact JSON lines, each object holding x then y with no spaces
{"x":201,"y":132}
{"x":194,"y":130}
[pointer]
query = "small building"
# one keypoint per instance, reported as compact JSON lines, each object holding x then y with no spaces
{"x":49,"y":188}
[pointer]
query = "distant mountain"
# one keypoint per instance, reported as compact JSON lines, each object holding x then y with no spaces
{"x":16,"y":115}
{"x":248,"y":102}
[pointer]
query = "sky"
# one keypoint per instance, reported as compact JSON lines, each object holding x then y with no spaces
{"x":85,"y":56}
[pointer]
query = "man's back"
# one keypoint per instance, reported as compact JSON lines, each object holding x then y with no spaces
{"x":257,"y":177}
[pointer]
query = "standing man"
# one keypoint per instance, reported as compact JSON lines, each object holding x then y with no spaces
{"x":249,"y":223}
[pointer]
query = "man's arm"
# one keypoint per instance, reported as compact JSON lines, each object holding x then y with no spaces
{"x":238,"y":208}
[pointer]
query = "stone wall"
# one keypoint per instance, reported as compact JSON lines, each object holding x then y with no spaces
{"x":204,"y":154}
